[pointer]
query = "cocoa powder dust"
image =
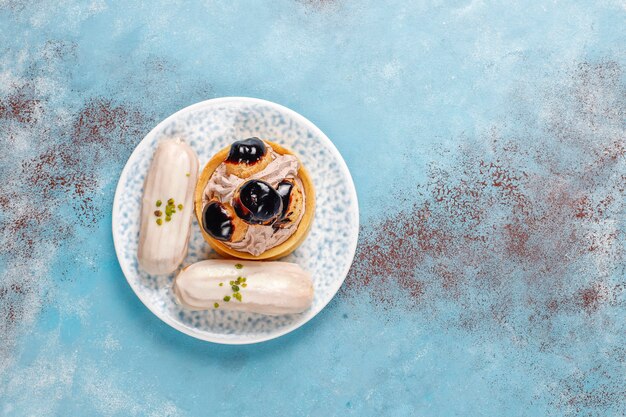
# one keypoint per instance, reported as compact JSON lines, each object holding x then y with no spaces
{"x":525,"y":229}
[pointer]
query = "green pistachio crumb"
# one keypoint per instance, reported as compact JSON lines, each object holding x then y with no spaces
{"x":188,"y":174}
{"x":244,"y":285}
{"x":227,"y":298}
{"x":159,"y":221}
{"x":235,"y":288}
{"x":158,"y":203}
{"x":216,"y":305}
{"x":232,"y":282}
{"x":180,"y":207}
{"x":168,"y":218}
{"x":237,"y":296}
{"x":170,"y":201}
{"x":221,"y":284}
{"x":238,"y":266}
{"x":243,"y":279}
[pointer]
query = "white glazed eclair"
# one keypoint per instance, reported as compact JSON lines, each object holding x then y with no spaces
{"x":270,"y":288}
{"x":167,"y":207}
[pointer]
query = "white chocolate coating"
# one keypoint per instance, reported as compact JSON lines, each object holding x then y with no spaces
{"x":272,"y":288}
{"x":173,"y":174}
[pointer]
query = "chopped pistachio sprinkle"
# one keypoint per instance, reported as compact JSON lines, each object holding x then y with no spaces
{"x":159,"y":221}
{"x":170,"y":209}
{"x":188,"y":174}
{"x":235,"y":287}
{"x":216,"y":305}
{"x":238,"y":266}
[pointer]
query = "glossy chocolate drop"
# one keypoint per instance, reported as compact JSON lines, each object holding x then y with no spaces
{"x":247,"y":151}
{"x":284,"y":191}
{"x":257,"y":203}
{"x":217,"y":222}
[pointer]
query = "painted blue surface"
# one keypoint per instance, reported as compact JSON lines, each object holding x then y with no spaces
{"x":397,"y":86}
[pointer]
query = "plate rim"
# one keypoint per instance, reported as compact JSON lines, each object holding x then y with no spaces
{"x":216,"y":101}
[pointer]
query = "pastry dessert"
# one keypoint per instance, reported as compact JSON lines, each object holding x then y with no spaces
{"x":270,"y":288}
{"x":166,"y":207}
{"x":254,"y":200}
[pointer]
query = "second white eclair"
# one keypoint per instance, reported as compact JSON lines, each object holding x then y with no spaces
{"x":270,"y":288}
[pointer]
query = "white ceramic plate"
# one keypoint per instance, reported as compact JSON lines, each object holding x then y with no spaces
{"x":327,"y":252}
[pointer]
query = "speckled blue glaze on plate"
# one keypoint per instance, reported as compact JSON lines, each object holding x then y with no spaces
{"x":326,"y":253}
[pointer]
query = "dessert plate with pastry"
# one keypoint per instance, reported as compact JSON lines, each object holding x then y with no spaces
{"x":235,"y":220}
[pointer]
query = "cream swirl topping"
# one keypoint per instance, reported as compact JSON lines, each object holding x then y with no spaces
{"x":222,"y":187}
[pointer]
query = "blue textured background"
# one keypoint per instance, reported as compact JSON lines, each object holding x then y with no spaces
{"x":501,"y":304}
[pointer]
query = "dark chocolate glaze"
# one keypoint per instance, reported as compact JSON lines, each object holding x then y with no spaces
{"x":284,"y":191}
{"x":247,"y":151}
{"x":257,"y":203}
{"x":217,"y":222}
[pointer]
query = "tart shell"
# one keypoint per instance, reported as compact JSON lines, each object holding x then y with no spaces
{"x":276,"y":252}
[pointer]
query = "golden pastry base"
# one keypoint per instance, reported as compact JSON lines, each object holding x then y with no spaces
{"x":276,"y":252}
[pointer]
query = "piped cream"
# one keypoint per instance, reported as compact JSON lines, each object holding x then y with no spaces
{"x":222,"y":187}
